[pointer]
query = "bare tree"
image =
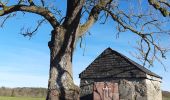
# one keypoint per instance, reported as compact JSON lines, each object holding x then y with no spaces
{"x":145,"y":18}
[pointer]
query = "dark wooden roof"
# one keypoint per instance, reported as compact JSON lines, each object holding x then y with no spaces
{"x":111,"y":64}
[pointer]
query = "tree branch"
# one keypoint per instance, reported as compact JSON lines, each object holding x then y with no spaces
{"x":146,"y":37}
{"x":32,"y":9}
{"x":31,"y":2}
{"x":165,"y":2}
{"x":93,"y":16}
{"x":74,"y":8}
{"x":6,"y":18}
{"x":157,"y":6}
{"x":30,"y":32}
{"x":43,"y":4}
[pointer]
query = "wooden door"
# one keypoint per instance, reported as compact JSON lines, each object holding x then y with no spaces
{"x":105,"y":91}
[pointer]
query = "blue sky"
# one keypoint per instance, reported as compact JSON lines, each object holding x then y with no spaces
{"x":24,"y":62}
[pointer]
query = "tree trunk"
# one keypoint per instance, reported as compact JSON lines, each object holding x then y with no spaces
{"x":61,"y":85}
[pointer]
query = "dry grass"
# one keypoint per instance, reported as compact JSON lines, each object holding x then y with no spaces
{"x":166,"y":98}
{"x":19,"y":98}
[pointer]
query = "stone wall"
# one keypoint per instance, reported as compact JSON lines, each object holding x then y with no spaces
{"x":153,"y":88}
{"x":86,"y":89}
{"x":132,"y":90}
{"x":129,"y":89}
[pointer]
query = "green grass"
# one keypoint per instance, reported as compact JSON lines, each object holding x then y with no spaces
{"x":19,"y":98}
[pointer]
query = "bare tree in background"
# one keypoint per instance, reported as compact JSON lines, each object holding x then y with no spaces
{"x":145,"y":18}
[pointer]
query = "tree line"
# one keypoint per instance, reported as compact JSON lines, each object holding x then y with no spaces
{"x":166,"y":94}
{"x":23,"y":92}
{"x":38,"y":92}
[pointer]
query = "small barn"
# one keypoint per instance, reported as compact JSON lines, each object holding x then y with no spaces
{"x":113,"y":76}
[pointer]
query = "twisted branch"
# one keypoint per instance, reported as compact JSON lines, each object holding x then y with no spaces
{"x":32,"y":9}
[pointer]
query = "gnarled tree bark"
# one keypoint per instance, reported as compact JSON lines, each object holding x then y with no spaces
{"x":61,"y":85}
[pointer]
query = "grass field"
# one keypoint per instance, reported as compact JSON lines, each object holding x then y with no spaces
{"x":166,"y":98}
{"x":19,"y":98}
{"x":27,"y":98}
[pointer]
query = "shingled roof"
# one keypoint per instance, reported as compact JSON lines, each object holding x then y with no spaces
{"x":112,"y":64}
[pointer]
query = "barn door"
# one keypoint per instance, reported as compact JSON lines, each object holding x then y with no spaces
{"x":105,"y":91}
